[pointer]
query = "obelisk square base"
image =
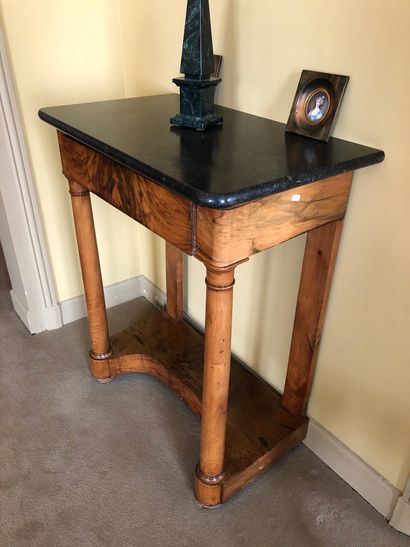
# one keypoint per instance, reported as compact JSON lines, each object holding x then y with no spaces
{"x":197,"y":103}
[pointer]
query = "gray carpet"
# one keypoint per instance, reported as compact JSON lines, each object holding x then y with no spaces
{"x":84,"y":464}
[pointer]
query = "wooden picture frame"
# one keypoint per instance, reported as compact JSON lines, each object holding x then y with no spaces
{"x":217,"y":66}
{"x":316,"y":104}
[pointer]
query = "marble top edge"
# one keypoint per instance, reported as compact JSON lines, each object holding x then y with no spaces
{"x":213,"y":194}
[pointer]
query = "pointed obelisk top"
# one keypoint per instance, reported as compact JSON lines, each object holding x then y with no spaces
{"x":197,"y":52}
{"x":197,"y":86}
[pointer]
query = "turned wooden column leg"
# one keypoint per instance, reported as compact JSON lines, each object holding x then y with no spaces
{"x":217,"y":363}
{"x":317,"y":270}
{"x":93,"y":287}
{"x":175,"y":297}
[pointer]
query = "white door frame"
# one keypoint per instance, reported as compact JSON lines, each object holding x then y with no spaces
{"x":21,"y":236}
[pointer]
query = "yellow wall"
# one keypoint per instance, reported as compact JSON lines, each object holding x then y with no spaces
{"x":71,"y":51}
{"x":62,"y":52}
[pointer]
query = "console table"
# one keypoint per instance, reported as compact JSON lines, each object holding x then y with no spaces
{"x":221,"y":196}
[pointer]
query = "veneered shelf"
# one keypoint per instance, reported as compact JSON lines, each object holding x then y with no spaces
{"x":259,"y":429}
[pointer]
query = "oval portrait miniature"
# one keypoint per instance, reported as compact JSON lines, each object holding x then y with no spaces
{"x":317,"y":106}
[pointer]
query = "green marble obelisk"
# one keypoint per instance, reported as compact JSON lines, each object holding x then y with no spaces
{"x":197,"y":87}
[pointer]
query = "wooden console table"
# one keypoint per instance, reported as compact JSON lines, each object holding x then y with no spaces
{"x":221,"y":196}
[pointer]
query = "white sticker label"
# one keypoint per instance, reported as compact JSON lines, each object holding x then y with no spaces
{"x":296,"y":197}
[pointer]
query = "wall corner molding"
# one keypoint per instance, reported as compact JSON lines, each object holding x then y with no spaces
{"x":400,"y":519}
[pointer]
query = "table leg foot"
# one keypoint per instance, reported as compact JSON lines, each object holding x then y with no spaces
{"x":100,"y":367}
{"x":208,"y":490}
{"x":103,"y":380}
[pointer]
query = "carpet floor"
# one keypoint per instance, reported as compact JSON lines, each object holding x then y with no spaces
{"x":85,"y":464}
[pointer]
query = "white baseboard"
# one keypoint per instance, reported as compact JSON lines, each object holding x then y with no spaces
{"x":400,"y":519}
{"x":352,"y":469}
{"x":153,"y":293}
{"x":117,"y":293}
{"x":360,"y":476}
{"x":52,"y":318}
{"x":48,"y":319}
{"x":20,"y":309}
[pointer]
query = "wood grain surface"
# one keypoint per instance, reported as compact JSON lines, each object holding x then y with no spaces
{"x":217,"y":364}
{"x":160,"y":210}
{"x":258,"y":430}
{"x":230,"y":236}
{"x":175,"y":281}
{"x":318,"y":264}
{"x":93,"y":287}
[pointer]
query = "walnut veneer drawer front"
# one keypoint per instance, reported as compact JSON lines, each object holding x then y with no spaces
{"x":158,"y":209}
{"x":229,"y":236}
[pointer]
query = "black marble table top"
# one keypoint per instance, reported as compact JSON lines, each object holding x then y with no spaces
{"x":247,"y":158}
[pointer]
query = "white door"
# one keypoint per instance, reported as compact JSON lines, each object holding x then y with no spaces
{"x":32,"y":291}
